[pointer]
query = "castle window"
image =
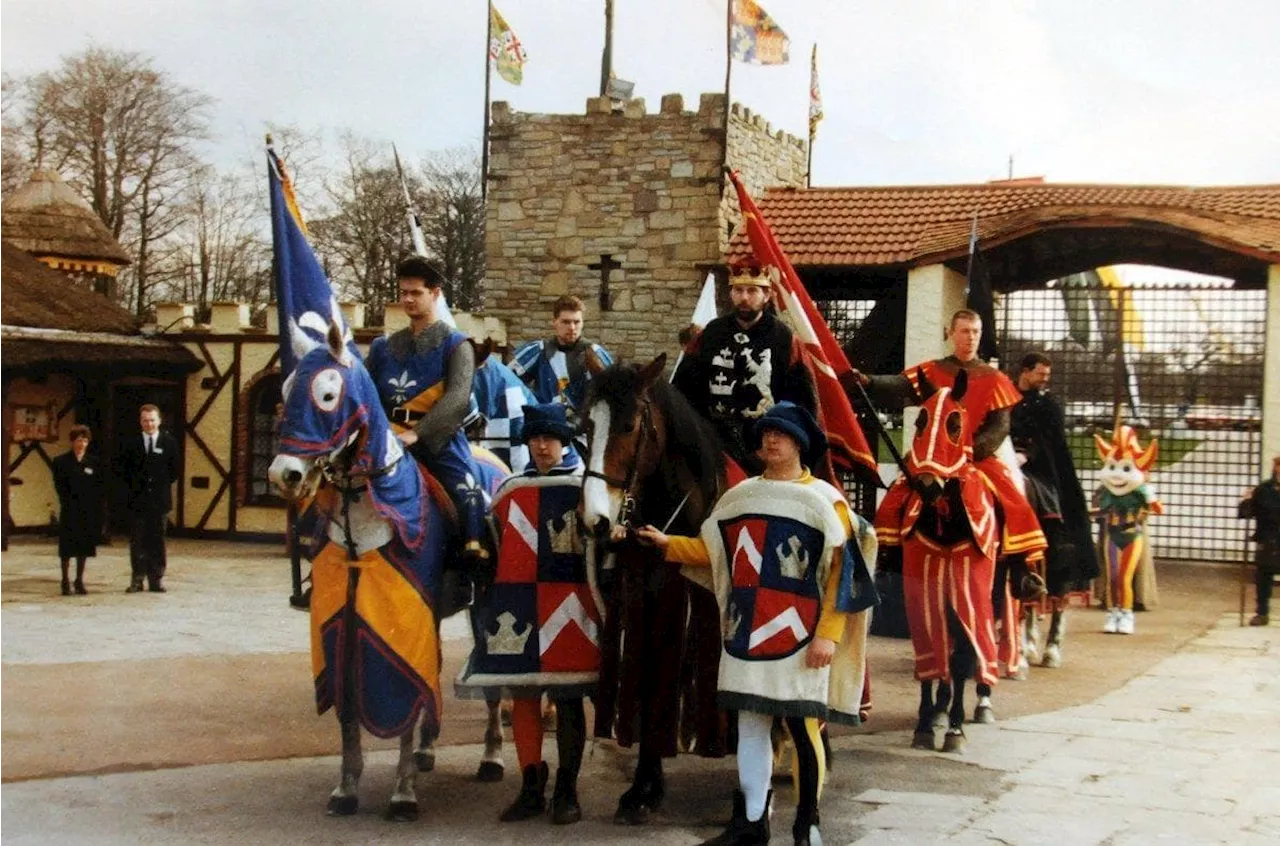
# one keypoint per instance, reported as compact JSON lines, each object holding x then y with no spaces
{"x":263,"y":440}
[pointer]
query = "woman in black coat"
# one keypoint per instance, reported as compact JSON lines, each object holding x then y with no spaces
{"x":78,"y":481}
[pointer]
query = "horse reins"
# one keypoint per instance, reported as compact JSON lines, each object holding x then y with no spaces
{"x":346,"y":484}
{"x":627,"y":512}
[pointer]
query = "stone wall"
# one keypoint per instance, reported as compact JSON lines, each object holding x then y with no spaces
{"x":565,"y":191}
{"x":764,"y":157}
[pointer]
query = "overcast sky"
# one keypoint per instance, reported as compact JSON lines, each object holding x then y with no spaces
{"x":915,"y":91}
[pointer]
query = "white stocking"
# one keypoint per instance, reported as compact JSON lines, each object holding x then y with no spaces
{"x":755,"y":761}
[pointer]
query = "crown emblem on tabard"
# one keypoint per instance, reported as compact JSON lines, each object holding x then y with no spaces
{"x":506,"y":640}
{"x":566,"y":541}
{"x":733,"y":623}
{"x":795,"y":563}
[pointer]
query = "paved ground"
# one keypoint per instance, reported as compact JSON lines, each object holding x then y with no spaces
{"x":217,"y":741}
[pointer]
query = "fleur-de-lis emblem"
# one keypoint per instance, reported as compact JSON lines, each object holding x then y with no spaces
{"x":400,"y":387}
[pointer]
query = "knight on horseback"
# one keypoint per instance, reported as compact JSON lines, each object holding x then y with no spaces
{"x":1039,"y":438}
{"x":424,"y":376}
{"x":948,"y":522}
{"x":987,"y":401}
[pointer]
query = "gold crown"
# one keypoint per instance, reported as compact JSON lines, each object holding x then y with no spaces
{"x":566,"y":541}
{"x":793,"y":564}
{"x":506,"y":640}
{"x":750,"y":273}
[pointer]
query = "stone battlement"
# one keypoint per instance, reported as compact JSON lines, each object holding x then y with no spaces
{"x":623,"y":207}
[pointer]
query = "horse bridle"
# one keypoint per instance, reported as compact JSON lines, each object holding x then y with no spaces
{"x":627,"y":512}
{"x":351,"y":486}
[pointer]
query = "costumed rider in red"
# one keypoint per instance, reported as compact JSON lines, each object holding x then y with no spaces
{"x":990,"y":396}
{"x":788,"y":562}
{"x":537,"y":624}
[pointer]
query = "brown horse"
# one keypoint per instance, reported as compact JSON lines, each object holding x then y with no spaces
{"x":653,"y":459}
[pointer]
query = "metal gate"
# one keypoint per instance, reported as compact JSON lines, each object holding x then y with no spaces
{"x":1181,"y":363}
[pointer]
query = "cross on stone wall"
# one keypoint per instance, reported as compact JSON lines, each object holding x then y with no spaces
{"x":606,"y":265}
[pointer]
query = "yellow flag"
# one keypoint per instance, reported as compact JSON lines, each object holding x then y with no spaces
{"x":505,"y":50}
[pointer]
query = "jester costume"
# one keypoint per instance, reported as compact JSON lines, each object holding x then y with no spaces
{"x":1123,"y":502}
{"x":558,"y":373}
{"x":424,"y":381}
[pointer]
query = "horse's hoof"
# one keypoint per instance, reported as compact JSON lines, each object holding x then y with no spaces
{"x":342,"y":806}
{"x":402,"y":811}
{"x":1052,"y":658}
{"x":923,"y":740}
{"x":490,"y":771}
{"x":954,"y":742}
{"x":983,"y":712}
{"x":424,"y":761}
{"x":941,"y":722}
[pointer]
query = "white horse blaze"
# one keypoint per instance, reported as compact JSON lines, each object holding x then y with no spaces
{"x":599,"y":500}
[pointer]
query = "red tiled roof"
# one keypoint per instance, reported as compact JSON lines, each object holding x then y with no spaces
{"x":848,"y":227}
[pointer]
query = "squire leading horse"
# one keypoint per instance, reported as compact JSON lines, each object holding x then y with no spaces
{"x":942,"y":517}
{"x":377,"y":569}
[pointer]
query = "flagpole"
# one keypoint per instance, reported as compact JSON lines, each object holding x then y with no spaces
{"x":484,"y":137}
{"x":728,"y":73}
{"x":606,"y":60}
{"x":808,"y":167}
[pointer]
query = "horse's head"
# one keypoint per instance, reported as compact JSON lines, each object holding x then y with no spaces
{"x":1124,"y":462}
{"x":333,"y":420}
{"x":624,"y":441}
{"x":943,"y":442}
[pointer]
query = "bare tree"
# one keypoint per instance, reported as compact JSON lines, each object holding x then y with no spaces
{"x":220,"y":251}
{"x":124,"y":134}
{"x":453,"y":222}
{"x":365,"y":234}
{"x":14,"y":158}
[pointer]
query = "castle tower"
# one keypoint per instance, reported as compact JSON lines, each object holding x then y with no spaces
{"x":622,"y":208}
{"x":47,"y":219}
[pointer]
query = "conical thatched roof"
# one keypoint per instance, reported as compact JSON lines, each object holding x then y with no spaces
{"x":46,"y":218}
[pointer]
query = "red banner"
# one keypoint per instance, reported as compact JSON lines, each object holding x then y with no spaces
{"x":826,"y":360}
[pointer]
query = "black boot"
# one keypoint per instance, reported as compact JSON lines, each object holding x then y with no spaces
{"x":805,"y":828}
{"x":741,"y":831}
{"x":66,"y":588}
{"x":135,"y":586}
{"x":532,"y":800}
{"x":564,"y":800}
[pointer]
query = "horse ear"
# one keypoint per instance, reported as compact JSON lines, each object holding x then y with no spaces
{"x":961,"y":385}
{"x":924,"y":387}
{"x":651,"y":371}
{"x":482,"y":351}
{"x":337,"y":345}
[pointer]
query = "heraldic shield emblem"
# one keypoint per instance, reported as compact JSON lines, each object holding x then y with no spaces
{"x":774,"y":600}
{"x":539,"y":616}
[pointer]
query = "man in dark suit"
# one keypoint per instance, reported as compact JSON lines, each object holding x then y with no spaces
{"x":149,"y":465}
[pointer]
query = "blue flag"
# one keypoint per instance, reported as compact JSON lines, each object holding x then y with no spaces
{"x":305,"y":299}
